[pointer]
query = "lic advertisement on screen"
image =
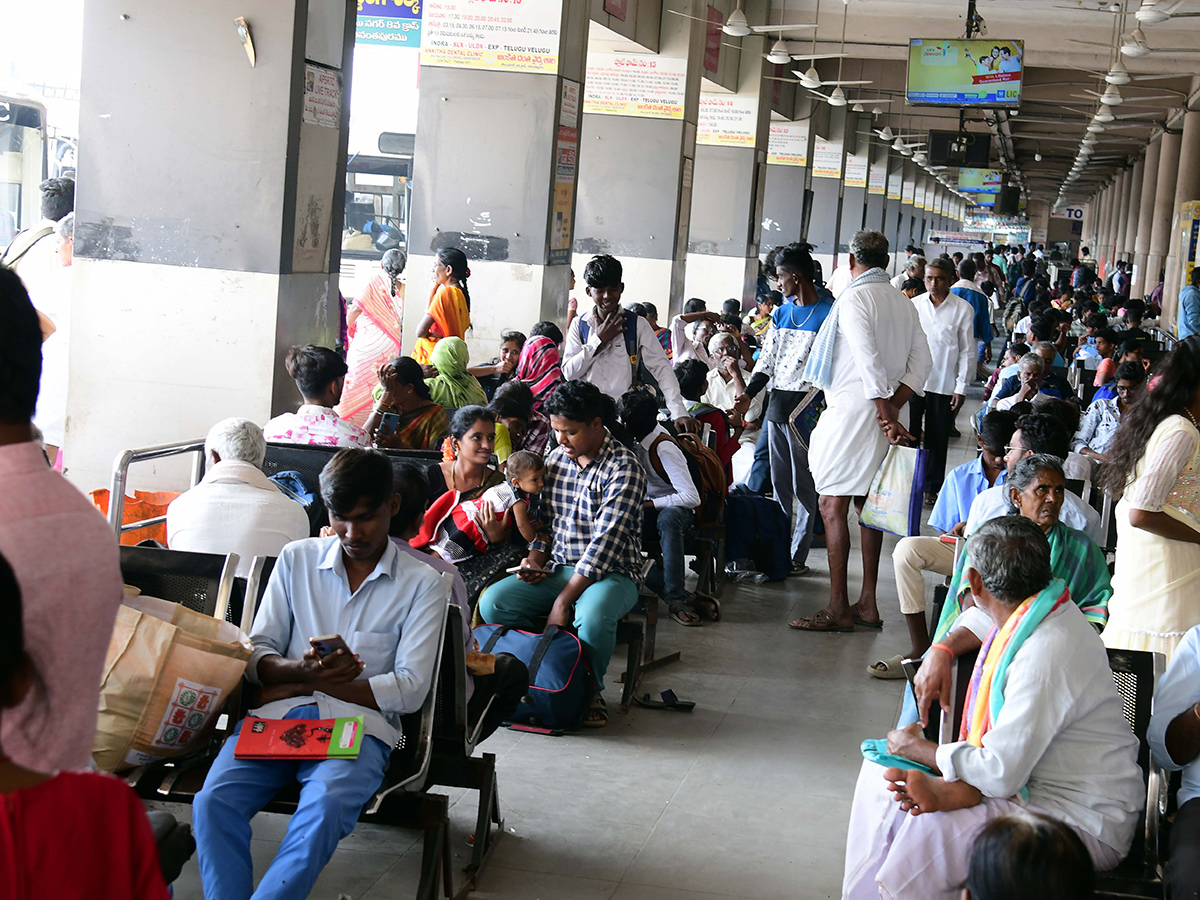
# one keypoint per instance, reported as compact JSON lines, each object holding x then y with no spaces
{"x":976,"y":72}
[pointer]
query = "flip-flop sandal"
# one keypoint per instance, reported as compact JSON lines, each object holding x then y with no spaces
{"x":677,"y":615}
{"x":819,"y":621}
{"x":600,"y":707}
{"x":707,"y":607}
{"x":889,"y":669}
{"x":878,"y":623}
{"x":668,"y":701}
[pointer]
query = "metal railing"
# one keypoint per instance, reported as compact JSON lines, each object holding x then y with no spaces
{"x":120,"y":477}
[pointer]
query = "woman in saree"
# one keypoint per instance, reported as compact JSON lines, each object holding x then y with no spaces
{"x":540,"y":368}
{"x":1035,"y":491}
{"x":404,"y":417}
{"x":1154,"y":467}
{"x":375,"y":333}
{"x":449,"y":310}
{"x":454,"y":386}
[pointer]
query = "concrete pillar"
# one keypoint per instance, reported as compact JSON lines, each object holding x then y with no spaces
{"x":507,"y":202}
{"x":1187,"y":187}
{"x":636,"y":173}
{"x":877,"y":189}
{"x":828,"y":166}
{"x":893,"y":214}
{"x":1107,"y":226}
{"x":1088,"y":227}
{"x":1164,"y":196}
{"x":789,"y":152}
{"x":1124,"y":200}
{"x":207,"y":219}
{"x":1144,"y":281}
{"x":1133,"y":207}
{"x":910,"y":232}
{"x":854,"y":183}
{"x":731,"y":155}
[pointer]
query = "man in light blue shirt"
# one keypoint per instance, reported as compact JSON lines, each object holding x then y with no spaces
{"x":1189,"y":306}
{"x":389,"y":608}
{"x":1174,"y":737}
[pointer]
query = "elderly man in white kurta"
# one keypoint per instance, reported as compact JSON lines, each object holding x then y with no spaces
{"x":870,"y":358}
{"x":1043,"y":730}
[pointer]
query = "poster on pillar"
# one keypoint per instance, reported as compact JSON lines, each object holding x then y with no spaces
{"x":396,"y":23}
{"x":787,"y":144}
{"x":877,"y":180}
{"x":908,"y":192}
{"x":635,"y":84}
{"x":895,"y":185}
{"x":827,"y":159}
{"x":856,"y":171}
{"x":726,"y":121}
{"x":919,"y":196}
{"x":566,"y":160}
{"x":322,"y":96}
{"x":484,"y":34}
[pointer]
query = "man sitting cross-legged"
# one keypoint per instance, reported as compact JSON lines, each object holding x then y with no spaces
{"x":388,"y":607}
{"x":1042,"y":729}
{"x":592,"y":507}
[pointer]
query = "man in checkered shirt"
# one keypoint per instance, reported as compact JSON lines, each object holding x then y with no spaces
{"x":592,"y":508}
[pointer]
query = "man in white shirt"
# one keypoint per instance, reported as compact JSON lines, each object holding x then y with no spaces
{"x":235,"y":508}
{"x":914,"y":268}
{"x":672,"y":495}
{"x":1056,"y":741}
{"x":870,"y":357}
{"x":949,"y":325}
{"x":691,"y":331}
{"x":597,"y":347}
{"x":389,"y":609}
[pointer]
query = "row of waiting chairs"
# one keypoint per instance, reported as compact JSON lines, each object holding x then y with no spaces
{"x":436,"y":747}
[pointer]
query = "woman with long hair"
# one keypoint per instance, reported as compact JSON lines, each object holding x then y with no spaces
{"x":374,"y":323}
{"x":449,"y":310}
{"x":1154,"y":466}
{"x":405,"y":417}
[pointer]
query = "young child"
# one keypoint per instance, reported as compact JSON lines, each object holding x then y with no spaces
{"x":451,"y":527}
{"x":1031,"y":856}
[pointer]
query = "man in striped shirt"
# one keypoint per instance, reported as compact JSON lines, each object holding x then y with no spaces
{"x":589,"y":572}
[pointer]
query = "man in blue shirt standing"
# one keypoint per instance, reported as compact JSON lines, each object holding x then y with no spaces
{"x":1189,"y":306}
{"x":389,"y":609}
{"x":914,"y":556}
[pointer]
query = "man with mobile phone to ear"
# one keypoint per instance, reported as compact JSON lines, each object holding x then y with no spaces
{"x":378,"y":613}
{"x":592,"y":507}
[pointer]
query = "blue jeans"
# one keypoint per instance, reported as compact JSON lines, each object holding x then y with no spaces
{"x":759,"y":480}
{"x":666,"y":578}
{"x":597,"y":611}
{"x":332,"y":794}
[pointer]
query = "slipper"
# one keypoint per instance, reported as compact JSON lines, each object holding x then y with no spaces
{"x":797,"y":570}
{"x":878,"y":623}
{"x":677,"y":615}
{"x":668,"y":701}
{"x":819,"y":621}
{"x":889,"y":669}
{"x":598,"y":708}
{"x":707,"y":607}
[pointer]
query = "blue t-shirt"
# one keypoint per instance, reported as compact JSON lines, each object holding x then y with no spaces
{"x":962,"y":485}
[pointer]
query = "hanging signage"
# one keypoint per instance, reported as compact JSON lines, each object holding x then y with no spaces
{"x":483,"y":34}
{"x":635,"y":84}
{"x":712,"y":40}
{"x":856,"y":171}
{"x":827,"y":159}
{"x":1074,"y":213}
{"x":726,"y":121}
{"x":396,"y":23}
{"x":787,"y":144}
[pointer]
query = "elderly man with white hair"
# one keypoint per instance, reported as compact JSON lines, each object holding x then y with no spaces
{"x":235,"y":508}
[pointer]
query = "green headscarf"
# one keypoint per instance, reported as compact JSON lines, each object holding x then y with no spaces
{"x":454,"y":386}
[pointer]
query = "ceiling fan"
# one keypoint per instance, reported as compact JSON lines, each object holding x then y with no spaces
{"x":1152,"y":12}
{"x":737,"y":26}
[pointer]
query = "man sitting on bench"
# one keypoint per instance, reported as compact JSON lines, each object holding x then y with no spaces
{"x":1042,"y":730}
{"x":388,"y":608}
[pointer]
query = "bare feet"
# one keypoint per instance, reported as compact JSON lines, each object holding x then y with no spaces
{"x":918,"y":792}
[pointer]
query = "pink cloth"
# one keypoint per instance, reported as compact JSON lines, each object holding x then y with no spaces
{"x":68,"y":567}
{"x":316,"y":426}
{"x":894,"y":855}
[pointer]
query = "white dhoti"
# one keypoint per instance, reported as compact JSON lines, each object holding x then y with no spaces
{"x":847,"y":447}
{"x":897,"y":856}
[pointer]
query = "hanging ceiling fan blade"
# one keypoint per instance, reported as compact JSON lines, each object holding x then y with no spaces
{"x":684,"y":15}
{"x":843,"y":83}
{"x":787,"y":80}
{"x":1090,"y":43}
{"x":1161,"y":77}
{"x":795,"y":55}
{"x":1134,"y":101}
{"x":771,"y":29}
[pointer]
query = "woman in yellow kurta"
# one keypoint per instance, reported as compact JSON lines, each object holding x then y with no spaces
{"x":449,"y":311}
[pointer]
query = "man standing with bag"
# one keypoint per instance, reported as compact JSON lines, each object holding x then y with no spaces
{"x":870,"y":357}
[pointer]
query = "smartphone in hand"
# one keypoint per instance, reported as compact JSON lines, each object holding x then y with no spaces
{"x":327,"y":645}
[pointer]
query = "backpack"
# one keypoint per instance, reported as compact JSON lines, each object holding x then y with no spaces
{"x":757,"y":528}
{"x":292,"y":485}
{"x":639,"y":374}
{"x":706,"y":470}
{"x":560,"y":682}
{"x":22,"y":243}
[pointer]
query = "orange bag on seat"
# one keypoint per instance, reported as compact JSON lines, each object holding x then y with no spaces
{"x":142,"y":505}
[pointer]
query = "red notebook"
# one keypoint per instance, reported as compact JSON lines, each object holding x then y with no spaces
{"x":300,"y":738}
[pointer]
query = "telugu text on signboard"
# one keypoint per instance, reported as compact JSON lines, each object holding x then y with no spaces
{"x":635,"y":84}
{"x":520,"y":36}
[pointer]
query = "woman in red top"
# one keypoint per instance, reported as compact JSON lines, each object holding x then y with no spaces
{"x":74,"y":834}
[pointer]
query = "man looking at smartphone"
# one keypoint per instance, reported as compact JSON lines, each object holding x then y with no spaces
{"x":589,"y":572}
{"x":388,"y":608}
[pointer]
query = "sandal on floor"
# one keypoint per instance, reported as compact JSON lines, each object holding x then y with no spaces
{"x":707,"y":607}
{"x":679,"y":613}
{"x":877,"y":624}
{"x":668,"y":701}
{"x":889,"y":669}
{"x":597,"y":715}
{"x":821,"y":620}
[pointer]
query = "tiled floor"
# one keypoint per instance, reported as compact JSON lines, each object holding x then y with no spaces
{"x":746,"y":797}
